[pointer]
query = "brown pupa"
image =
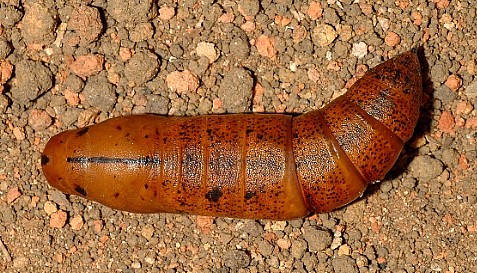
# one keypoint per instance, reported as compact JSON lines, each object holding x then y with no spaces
{"x":259,"y":166}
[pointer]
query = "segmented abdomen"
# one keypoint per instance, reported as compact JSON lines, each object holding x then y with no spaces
{"x":248,"y":165}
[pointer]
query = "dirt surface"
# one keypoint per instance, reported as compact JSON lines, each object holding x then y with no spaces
{"x":66,"y":64}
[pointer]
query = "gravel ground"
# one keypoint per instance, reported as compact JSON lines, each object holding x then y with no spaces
{"x":65,"y":64}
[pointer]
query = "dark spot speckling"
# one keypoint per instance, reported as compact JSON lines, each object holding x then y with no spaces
{"x":214,"y":195}
{"x":82,"y":131}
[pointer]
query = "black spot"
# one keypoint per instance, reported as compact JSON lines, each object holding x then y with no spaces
{"x":260,"y":136}
{"x":116,"y":195}
{"x":155,"y":193}
{"x":80,"y":190}
{"x":189,"y":159}
{"x":146,"y":186}
{"x":248,"y":131}
{"x":119,"y":128}
{"x":249,"y":195}
{"x":214,"y":195}
{"x":397,"y":74}
{"x":44,"y":159}
{"x":146,"y":136}
{"x":209,"y":131}
{"x":82,"y":131}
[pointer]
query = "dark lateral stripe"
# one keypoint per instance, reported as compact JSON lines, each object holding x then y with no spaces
{"x":110,"y":160}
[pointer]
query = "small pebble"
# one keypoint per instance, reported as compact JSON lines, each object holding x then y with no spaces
{"x":182,"y":82}
{"x":142,"y":67}
{"x":447,"y":122}
{"x":6,"y":70}
{"x":283,"y":243}
{"x":266,"y":46}
{"x":58,"y":219}
{"x":384,"y":23}
{"x":236,"y":259}
{"x":39,"y":120}
{"x":315,"y":10}
{"x":265,"y":248}
{"x":344,"y":264}
{"x":344,"y":250}
{"x":142,"y":32}
{"x":207,"y":50}
{"x":98,"y":225}
{"x":39,"y":23}
{"x":205,"y":223}
{"x":359,"y":50}
{"x":454,"y":82}
{"x":471,"y":123}
{"x":32,"y":80}
{"x":392,"y":39}
{"x":278,"y":225}
{"x":86,"y":23}
{"x":248,"y":26}
{"x":337,"y":241}
{"x":136,"y":265}
{"x":323,"y":35}
{"x":50,"y":207}
{"x":166,"y":13}
{"x":13,"y":194}
{"x":76,"y":222}
{"x":318,"y":240}
{"x":426,"y":167}
{"x":298,"y":248}
{"x":248,"y":7}
{"x":471,"y":90}
{"x":147,"y":231}
{"x":19,"y":133}
{"x":227,"y":17}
